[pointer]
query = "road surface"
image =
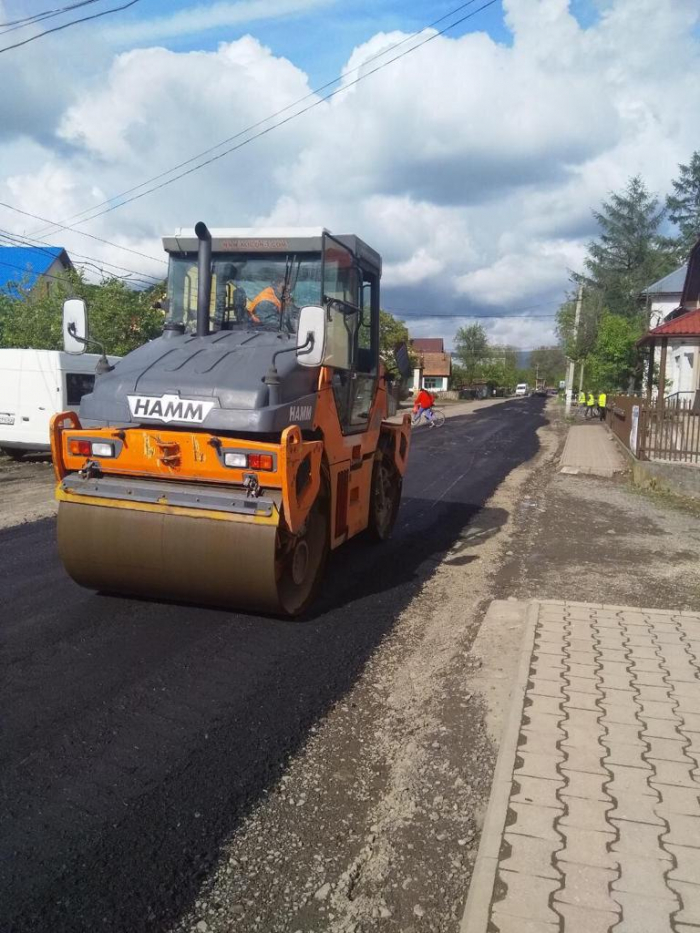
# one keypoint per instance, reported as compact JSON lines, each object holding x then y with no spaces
{"x":136,"y":736}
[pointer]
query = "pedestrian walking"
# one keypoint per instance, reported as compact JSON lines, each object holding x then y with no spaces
{"x":602,"y":402}
{"x":582,"y":398}
{"x":590,"y":405}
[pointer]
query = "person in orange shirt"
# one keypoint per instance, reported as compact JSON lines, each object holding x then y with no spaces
{"x":266,"y":307}
{"x":423,"y":405}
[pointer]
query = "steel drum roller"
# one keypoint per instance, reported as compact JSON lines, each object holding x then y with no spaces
{"x":170,"y":556}
{"x":237,"y":563}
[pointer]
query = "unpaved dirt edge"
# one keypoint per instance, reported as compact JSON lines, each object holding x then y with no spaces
{"x":375,"y":824}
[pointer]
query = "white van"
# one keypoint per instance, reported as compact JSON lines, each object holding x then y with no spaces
{"x":34,"y":385}
{"x":521,"y":388}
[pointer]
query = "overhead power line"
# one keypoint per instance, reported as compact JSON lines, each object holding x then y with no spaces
{"x":34,"y":18}
{"x":267,"y":119}
{"x":288,"y":119}
{"x":73,"y":22}
{"x":145,"y":278}
{"x":90,"y":236}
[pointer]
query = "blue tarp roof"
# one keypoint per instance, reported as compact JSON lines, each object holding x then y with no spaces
{"x":24,"y":264}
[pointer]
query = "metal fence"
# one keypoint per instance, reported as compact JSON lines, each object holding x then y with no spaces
{"x":670,"y":431}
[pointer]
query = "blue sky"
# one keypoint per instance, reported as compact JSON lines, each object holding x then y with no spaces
{"x":320,"y":39}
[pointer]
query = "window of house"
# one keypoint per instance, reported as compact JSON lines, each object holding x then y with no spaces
{"x":432,"y":382}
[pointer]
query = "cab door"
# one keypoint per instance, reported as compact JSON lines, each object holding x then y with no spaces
{"x":351,"y":295}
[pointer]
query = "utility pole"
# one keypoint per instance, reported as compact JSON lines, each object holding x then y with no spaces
{"x":572,"y":364}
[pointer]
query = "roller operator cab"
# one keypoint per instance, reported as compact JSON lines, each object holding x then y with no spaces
{"x":220,"y":462}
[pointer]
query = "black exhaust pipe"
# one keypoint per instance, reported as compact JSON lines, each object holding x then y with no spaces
{"x":203,"y":278}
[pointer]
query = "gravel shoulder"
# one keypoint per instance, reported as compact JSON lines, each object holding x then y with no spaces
{"x":26,"y":489}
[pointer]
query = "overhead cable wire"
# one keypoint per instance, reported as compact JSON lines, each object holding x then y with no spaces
{"x":90,"y":236}
{"x":35,"y":18}
{"x":288,"y":119}
{"x":267,"y":119}
{"x":73,"y":22}
{"x":45,"y":13}
{"x":26,"y":240}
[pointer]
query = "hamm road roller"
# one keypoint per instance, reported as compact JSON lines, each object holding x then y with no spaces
{"x":220,"y":463}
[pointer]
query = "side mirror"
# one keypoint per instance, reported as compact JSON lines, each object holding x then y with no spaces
{"x":403,"y":362}
{"x":311,"y":336}
{"x":75,"y":326}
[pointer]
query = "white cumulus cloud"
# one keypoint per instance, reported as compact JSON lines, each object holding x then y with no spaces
{"x":471,"y":165}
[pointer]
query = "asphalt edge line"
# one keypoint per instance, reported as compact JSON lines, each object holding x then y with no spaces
{"x":478,"y":907}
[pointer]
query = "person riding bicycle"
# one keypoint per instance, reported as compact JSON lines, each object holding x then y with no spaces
{"x":423,"y":405}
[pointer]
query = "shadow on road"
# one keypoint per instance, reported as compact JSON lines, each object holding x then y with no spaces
{"x":137,"y":735}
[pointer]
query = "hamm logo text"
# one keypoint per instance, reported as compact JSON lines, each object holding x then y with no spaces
{"x":169,"y":408}
{"x":300,"y":412}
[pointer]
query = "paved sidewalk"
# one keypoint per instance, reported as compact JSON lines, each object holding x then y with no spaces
{"x":594,"y":817}
{"x":589,"y":448}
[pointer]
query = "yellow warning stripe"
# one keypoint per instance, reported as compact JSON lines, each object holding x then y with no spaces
{"x":63,"y":495}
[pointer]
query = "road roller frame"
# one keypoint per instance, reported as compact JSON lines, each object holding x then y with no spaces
{"x":238,"y":518}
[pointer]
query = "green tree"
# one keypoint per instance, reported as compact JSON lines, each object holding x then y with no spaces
{"x":120,"y":318}
{"x":613,"y":364}
{"x":392,"y":333}
{"x":550,"y":363}
{"x":577,"y":344}
{"x":458,"y":376}
{"x":683,"y":206}
{"x":629,"y":252}
{"x":471,"y":350}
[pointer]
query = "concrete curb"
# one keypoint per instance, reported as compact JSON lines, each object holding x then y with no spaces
{"x":478,"y":906}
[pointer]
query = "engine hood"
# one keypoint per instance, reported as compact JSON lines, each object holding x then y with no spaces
{"x":215,"y":382}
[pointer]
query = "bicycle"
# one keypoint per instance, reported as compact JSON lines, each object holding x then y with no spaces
{"x":435,"y":419}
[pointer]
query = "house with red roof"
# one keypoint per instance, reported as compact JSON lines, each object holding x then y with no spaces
{"x":675,"y":341}
{"x":434,"y":366}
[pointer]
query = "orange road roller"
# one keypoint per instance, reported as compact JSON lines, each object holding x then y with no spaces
{"x":220,"y":463}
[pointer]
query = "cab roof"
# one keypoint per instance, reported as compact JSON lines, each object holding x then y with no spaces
{"x":268,"y":240}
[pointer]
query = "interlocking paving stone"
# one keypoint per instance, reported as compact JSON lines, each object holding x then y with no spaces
{"x":645,"y":914}
{"x":586,"y":814}
{"x":539,"y":791}
{"x":529,"y":855}
{"x":587,"y":847}
{"x":639,"y":809}
{"x":687,"y":863}
{"x":586,"y":920}
{"x":586,"y":886}
{"x":683,"y":830}
{"x":504,"y":923}
{"x":530,"y":819}
{"x":645,"y":876}
{"x":527,"y":896}
{"x":602,"y":833}
{"x":689,"y":895}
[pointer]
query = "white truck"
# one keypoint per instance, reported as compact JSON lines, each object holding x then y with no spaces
{"x":34,"y":385}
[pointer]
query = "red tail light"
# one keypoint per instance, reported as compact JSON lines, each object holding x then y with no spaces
{"x":260,"y":461}
{"x":80,"y":448}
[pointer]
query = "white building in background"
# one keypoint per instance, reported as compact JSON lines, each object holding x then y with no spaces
{"x":669,"y":302}
{"x":664,"y":296}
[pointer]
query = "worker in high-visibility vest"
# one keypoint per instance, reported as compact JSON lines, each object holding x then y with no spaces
{"x":602,"y":402}
{"x":582,"y":397}
{"x":590,"y":405}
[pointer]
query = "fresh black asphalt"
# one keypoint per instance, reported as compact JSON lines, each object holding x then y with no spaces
{"x":135,"y":735}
